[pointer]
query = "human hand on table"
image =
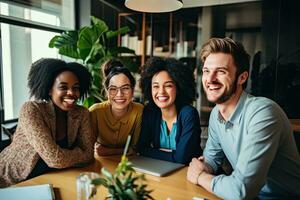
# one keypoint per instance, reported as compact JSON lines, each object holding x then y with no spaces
{"x":195,"y":169}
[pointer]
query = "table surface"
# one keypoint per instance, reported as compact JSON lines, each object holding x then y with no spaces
{"x":174,"y":186}
{"x":295,"y":124}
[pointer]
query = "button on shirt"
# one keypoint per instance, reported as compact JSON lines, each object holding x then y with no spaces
{"x":258,"y":142}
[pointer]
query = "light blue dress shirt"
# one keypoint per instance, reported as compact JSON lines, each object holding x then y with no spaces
{"x":259,"y":144}
{"x":167,"y":141}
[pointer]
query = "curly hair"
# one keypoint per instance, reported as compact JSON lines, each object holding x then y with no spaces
{"x":180,"y":74}
{"x":43,"y":72}
{"x":114,"y":67}
{"x":227,"y":45}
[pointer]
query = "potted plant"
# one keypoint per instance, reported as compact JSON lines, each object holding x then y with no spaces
{"x":124,"y":184}
{"x":91,"y":45}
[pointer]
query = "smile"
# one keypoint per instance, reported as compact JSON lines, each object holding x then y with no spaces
{"x":120,"y":100}
{"x":163,"y":98}
{"x":69,"y":101}
{"x":213,"y":87}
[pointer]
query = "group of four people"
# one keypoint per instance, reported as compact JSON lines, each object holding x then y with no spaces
{"x":253,"y":133}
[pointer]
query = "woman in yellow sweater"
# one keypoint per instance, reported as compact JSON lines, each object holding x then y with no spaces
{"x":118,"y":117}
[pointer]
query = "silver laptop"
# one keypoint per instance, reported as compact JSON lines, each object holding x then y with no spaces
{"x":153,"y":166}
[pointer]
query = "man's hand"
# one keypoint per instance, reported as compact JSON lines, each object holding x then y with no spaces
{"x":196,"y":167}
{"x":200,"y":173}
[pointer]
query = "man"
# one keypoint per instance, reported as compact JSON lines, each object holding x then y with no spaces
{"x":253,"y":133}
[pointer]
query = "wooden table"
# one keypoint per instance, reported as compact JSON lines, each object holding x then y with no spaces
{"x":295,"y":124}
{"x":174,"y":186}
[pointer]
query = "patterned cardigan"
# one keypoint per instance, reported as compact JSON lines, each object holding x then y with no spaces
{"x":35,"y":138}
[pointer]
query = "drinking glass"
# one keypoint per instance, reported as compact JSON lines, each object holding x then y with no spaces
{"x":84,"y":185}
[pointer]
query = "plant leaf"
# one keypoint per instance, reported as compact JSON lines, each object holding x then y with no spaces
{"x":106,"y":173}
{"x":122,"y":30}
{"x":131,"y":194}
{"x":96,"y":49}
{"x":66,"y":43}
{"x":98,"y":21}
{"x":87,"y":38}
{"x":53,"y":40}
{"x":118,"y":186}
{"x":99,"y":181}
{"x":88,"y":102}
{"x":118,"y":50}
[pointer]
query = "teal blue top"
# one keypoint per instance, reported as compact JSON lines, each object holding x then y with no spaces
{"x":168,"y":141}
{"x":187,"y":135}
{"x":258,"y":141}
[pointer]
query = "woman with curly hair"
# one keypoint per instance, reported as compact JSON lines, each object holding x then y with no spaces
{"x":52,"y":132}
{"x":118,"y":117}
{"x":170,"y":125}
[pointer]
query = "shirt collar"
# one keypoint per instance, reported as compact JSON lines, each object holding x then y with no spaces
{"x":237,"y":113}
{"x":221,"y":118}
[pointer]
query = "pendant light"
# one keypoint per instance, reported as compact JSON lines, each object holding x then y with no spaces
{"x":154,"y":6}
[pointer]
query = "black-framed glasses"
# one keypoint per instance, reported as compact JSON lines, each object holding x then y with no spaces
{"x":124,"y":89}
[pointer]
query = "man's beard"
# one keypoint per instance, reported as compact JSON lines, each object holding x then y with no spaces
{"x":227,"y":94}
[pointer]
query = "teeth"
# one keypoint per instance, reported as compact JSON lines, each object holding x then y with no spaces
{"x":69,"y":101}
{"x":162,"y":98}
{"x":120,"y":100}
{"x":214,"y":88}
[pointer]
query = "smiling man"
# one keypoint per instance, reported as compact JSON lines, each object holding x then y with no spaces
{"x":253,"y":133}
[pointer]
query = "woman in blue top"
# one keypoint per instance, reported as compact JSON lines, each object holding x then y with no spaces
{"x":170,"y":125}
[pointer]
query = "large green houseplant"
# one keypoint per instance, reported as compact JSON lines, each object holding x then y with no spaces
{"x":92,"y":46}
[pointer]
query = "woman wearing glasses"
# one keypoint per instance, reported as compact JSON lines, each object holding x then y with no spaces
{"x":115,"y":119}
{"x":170,"y":125}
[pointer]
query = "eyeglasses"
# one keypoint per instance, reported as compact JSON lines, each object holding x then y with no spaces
{"x":113,"y":90}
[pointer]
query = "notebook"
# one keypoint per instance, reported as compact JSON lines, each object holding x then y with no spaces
{"x":153,"y":166}
{"x":34,"y":192}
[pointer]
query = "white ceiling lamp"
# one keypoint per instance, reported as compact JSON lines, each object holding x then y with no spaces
{"x":154,"y":6}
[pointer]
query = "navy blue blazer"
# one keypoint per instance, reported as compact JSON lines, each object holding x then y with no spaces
{"x":187,"y":138}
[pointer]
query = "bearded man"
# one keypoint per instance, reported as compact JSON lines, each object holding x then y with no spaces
{"x":253,"y":133}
